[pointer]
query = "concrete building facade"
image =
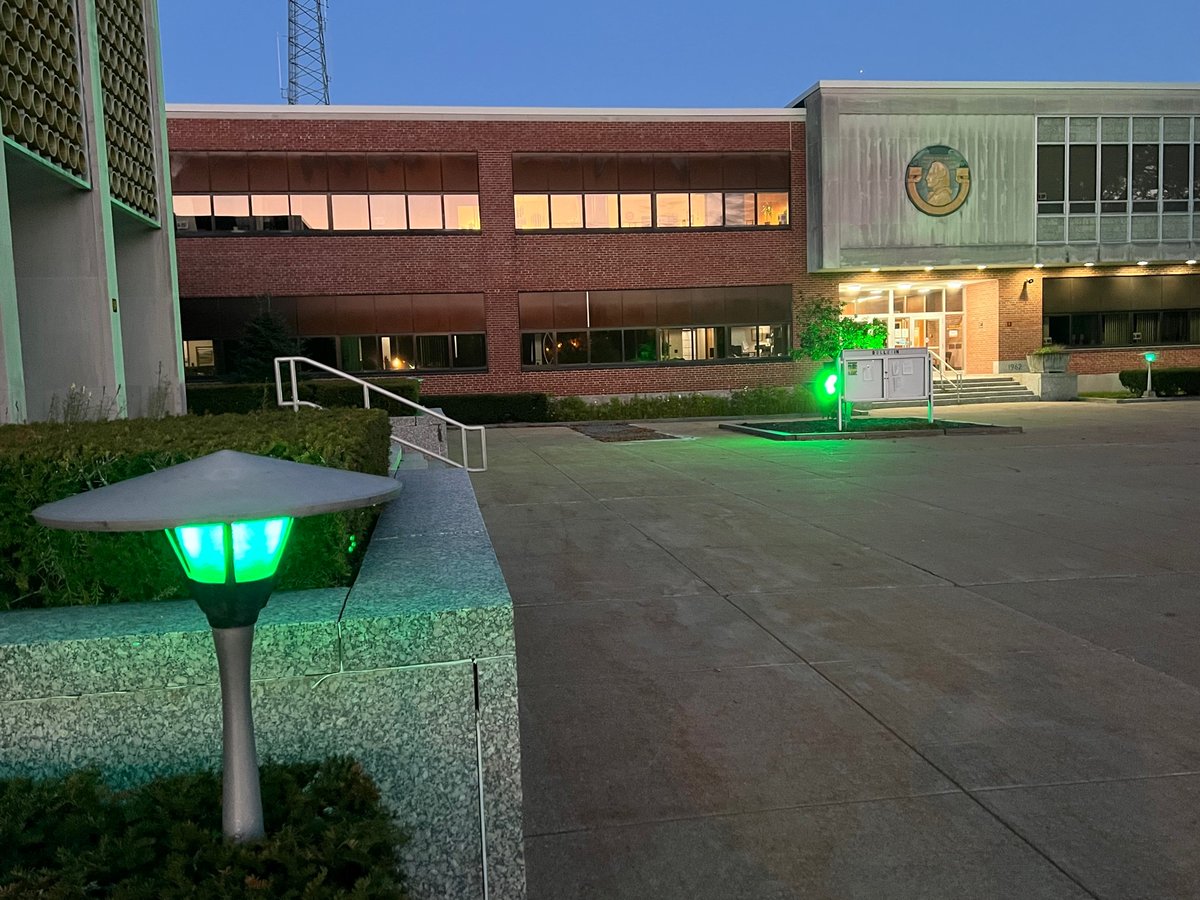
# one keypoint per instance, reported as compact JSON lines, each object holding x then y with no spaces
{"x":88,"y":302}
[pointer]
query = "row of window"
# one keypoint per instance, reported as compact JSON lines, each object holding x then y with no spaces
{"x":301,"y":213}
{"x":220,"y":172}
{"x":431,"y":352}
{"x":1124,"y":328}
{"x":712,"y":209}
{"x":1117,"y":165}
{"x":651,"y":345}
{"x":627,"y":173}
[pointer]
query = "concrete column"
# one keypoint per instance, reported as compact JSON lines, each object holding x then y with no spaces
{"x":12,"y":372}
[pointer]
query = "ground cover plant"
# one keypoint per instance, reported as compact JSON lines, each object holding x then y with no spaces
{"x":43,"y":462}
{"x":825,"y":426}
{"x":761,"y":401}
{"x":327,"y":835}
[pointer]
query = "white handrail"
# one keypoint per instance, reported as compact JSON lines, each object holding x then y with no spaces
{"x":295,"y":403}
{"x":956,"y":379}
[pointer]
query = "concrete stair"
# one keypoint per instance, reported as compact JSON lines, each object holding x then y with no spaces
{"x":975,"y":389}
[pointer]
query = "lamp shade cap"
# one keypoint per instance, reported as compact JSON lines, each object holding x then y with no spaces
{"x":226,"y":486}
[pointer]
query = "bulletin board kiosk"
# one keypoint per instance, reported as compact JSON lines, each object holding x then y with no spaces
{"x":878,"y":376}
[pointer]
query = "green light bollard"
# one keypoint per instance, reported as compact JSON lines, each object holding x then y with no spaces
{"x":228,"y":517}
{"x":1150,"y":359}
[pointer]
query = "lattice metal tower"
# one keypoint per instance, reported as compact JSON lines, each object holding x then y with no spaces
{"x":308,"y":74}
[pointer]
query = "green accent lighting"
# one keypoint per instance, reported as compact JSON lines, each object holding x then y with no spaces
{"x":830,"y":383}
{"x":1150,"y":357}
{"x":252,"y":550}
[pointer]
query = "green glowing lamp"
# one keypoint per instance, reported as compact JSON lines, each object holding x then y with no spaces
{"x":830,"y":383}
{"x":1150,"y":357}
{"x":228,"y":517}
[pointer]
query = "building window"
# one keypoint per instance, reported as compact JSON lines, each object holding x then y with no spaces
{"x":198,"y":357}
{"x":1127,"y":178}
{"x":597,"y":328}
{"x":295,"y":193}
{"x":408,"y":352}
{"x":648,"y":191}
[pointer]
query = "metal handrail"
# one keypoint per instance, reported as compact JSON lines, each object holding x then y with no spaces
{"x":956,"y":379}
{"x":295,"y":403}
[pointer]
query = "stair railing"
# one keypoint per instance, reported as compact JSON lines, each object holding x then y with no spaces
{"x":947,"y":375}
{"x":295,"y":403}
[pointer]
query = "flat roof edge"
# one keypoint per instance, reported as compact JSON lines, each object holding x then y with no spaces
{"x":479,"y":113}
{"x":1105,"y":86}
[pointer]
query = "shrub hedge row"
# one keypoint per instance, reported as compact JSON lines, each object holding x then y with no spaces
{"x":216,"y":398}
{"x":327,"y":835}
{"x":1181,"y":382}
{"x":489,"y":409}
{"x":761,"y":401}
{"x":44,"y":462}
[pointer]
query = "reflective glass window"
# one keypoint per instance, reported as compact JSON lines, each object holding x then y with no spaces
{"x":707,"y":210}
{"x":1051,"y":174}
{"x":425,"y":212}
{"x":1145,"y":177}
{"x":469,"y":351}
{"x":566,"y":211}
{"x":193,"y":212}
{"x":231,"y":205}
{"x":351,"y":212}
{"x":635,"y":211}
{"x":605,"y":346}
{"x":462,"y":212}
{"x":1175,"y":177}
{"x":433,"y":351}
{"x":601,"y":211}
{"x":388,"y":212}
{"x":310,"y":212}
{"x":532,"y":211}
{"x":1114,"y":177}
{"x":270,"y":212}
{"x":537,"y":348}
{"x":672,"y":210}
{"x":639,"y":345}
{"x":1083,"y":177}
{"x":572,"y":347}
{"x":740,"y":209}
{"x":772,"y":209}
{"x":398,"y":352}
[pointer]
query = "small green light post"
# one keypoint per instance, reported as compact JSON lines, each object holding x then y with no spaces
{"x":228,"y":517}
{"x":1150,"y":359}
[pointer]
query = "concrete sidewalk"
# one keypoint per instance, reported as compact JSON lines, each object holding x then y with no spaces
{"x":940,"y":667}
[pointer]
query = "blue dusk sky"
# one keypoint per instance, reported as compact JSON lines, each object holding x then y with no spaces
{"x":668,"y":52}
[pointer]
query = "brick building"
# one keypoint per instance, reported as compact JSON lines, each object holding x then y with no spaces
{"x":621,"y":251}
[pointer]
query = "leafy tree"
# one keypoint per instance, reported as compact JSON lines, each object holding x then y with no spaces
{"x":823,"y":332}
{"x":264,"y":338}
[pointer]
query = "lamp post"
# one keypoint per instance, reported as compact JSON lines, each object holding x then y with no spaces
{"x":228,"y":517}
{"x":1149,"y":358}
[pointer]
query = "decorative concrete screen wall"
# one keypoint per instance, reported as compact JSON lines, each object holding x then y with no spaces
{"x":412,"y":671}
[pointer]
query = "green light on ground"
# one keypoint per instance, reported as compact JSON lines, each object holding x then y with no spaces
{"x":256,"y":548}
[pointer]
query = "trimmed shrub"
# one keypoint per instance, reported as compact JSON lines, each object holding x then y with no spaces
{"x":44,"y":462}
{"x":489,"y":409}
{"x":760,"y":401}
{"x":1180,"y":382}
{"x":327,"y":835}
{"x":337,"y":392}
{"x":217,"y":398}
{"x":329,"y":393}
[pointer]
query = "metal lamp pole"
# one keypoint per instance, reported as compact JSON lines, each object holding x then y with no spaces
{"x":238,"y":510}
{"x":1150,"y":358}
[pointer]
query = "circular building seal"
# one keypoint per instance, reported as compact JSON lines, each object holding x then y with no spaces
{"x":938,"y":181}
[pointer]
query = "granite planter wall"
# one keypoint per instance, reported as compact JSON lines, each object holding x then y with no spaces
{"x":412,"y":670}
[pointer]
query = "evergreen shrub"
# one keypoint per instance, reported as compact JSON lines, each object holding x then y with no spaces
{"x":490,"y":409}
{"x":220,"y":397}
{"x":43,"y":462}
{"x":1180,"y":382}
{"x":327,"y":835}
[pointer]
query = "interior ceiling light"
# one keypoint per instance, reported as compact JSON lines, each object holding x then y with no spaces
{"x":903,"y":286}
{"x":954,"y":285}
{"x":1191,"y":262}
{"x":1039,"y":265}
{"x":981,"y":267}
{"x":1143,"y":262}
{"x":923,"y":291}
{"x":929,"y":268}
{"x":1088,"y":265}
{"x":852,"y":288}
{"x":875,"y":269}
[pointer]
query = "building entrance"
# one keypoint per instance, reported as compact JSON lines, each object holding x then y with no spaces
{"x":929,"y":315}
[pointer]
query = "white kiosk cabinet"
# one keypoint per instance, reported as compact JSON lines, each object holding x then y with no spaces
{"x":901,"y":373}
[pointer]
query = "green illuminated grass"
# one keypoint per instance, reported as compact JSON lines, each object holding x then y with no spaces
{"x":828,"y":426}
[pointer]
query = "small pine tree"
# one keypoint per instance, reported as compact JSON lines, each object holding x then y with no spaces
{"x":823,"y":333}
{"x":264,"y":338}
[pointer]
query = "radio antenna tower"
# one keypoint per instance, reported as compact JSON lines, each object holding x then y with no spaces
{"x":308,"y":74}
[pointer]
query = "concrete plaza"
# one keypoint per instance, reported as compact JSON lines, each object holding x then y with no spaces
{"x":957,"y":667}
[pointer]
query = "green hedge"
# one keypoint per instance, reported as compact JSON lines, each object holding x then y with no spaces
{"x":44,"y":462}
{"x":762,"y":401}
{"x":327,"y":836}
{"x":489,"y":409}
{"x":1181,"y":382}
{"x":217,"y":398}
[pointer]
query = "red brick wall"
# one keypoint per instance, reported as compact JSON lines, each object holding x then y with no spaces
{"x":1102,"y":362}
{"x":498,"y":261}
